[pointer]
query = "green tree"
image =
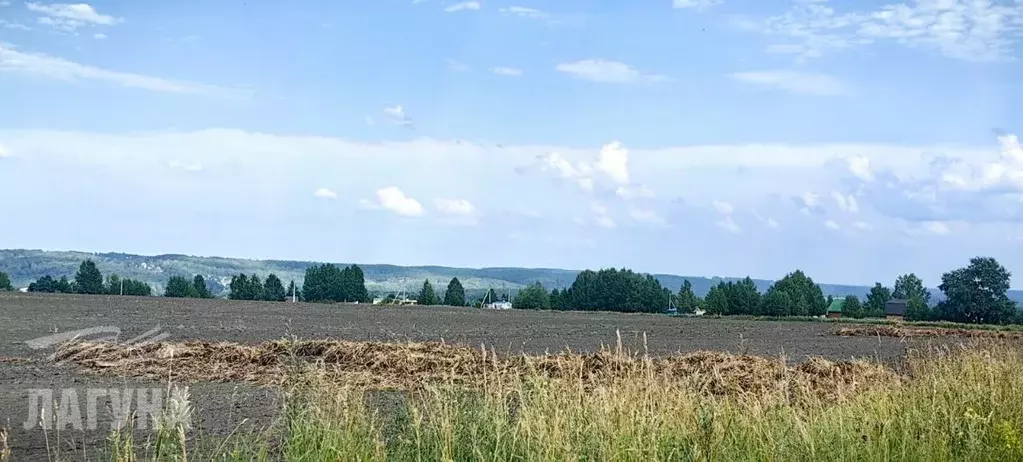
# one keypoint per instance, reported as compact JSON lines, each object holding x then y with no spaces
{"x":5,"y":282}
{"x":179,"y":287}
{"x":614,"y":289}
{"x":44,"y":284}
{"x":353,"y":285}
{"x":321,"y":282}
{"x":852,"y":308}
{"x":717,"y":299}
{"x":273,"y":289}
{"x":977,"y":293}
{"x":88,"y":279}
{"x":909,"y":286}
{"x":743,"y":297}
{"x":254,"y":289}
{"x":532,"y":297}
{"x":455,"y":294}
{"x":137,"y":288}
{"x":876,"y":300}
{"x":800,"y":286}
{"x":201,"y":290}
{"x":113,"y":285}
{"x":427,"y":296}
{"x":239,"y":287}
{"x":65,"y":287}
{"x":775,"y":303}
{"x":917,"y":310}
{"x":558,"y":299}
{"x":686,"y":301}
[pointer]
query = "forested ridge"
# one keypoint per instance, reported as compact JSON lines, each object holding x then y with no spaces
{"x":976,"y":293}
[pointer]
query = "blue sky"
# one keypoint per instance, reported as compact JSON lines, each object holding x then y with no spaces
{"x":855,"y":140}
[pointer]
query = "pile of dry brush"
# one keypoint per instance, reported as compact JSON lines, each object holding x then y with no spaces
{"x":904,"y":332}
{"x":410,"y":365}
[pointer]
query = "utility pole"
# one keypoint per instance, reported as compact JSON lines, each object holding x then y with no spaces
{"x":122,"y":286}
{"x":293,"y":288}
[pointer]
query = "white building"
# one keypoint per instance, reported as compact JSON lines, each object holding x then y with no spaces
{"x":498,"y":306}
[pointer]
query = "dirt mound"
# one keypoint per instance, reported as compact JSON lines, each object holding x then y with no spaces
{"x":904,"y":332}
{"x":412,"y":364}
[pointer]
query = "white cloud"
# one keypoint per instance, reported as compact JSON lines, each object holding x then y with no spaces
{"x":325,"y":193}
{"x":974,"y":30}
{"x":37,"y":64}
{"x":845,"y":203}
{"x":463,"y":6}
{"x":696,"y":4}
{"x":794,"y":82}
{"x":454,"y":206}
{"x":729,"y":225}
{"x":509,"y":71}
{"x":99,"y":36}
{"x":5,"y":3}
{"x":809,"y":202}
{"x":579,"y":173}
{"x":831,"y":225}
{"x":397,"y":116}
{"x":860,"y":166}
{"x":723,"y":208}
{"x":863,"y":226}
{"x":1010,"y":147}
{"x":770,"y":222}
{"x":614,"y":161}
{"x":646,"y":216}
{"x":636,"y":192}
{"x":69,"y":17}
{"x":524,"y":12}
{"x":457,"y":65}
{"x":391,"y":198}
{"x":598,"y":70}
{"x":13,"y":25}
{"x":244,"y":168}
{"x":4,"y":152}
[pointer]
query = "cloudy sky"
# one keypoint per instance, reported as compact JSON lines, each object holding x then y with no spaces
{"x":854,"y":140}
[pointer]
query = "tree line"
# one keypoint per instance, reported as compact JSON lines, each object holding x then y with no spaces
{"x":5,"y":282}
{"x":328,"y":283}
{"x":976,"y":293}
{"x":89,"y":280}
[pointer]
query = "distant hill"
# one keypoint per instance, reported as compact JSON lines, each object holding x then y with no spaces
{"x":25,"y":266}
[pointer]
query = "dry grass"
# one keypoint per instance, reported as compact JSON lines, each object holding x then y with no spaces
{"x":5,"y":450}
{"x":414,"y":365}
{"x":904,"y":332}
{"x":954,"y":403}
{"x":15,"y":360}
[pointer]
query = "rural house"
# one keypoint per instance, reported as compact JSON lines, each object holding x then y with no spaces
{"x":835,"y":308}
{"x":895,"y":309}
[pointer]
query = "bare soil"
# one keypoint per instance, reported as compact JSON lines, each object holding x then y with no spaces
{"x":223,"y":407}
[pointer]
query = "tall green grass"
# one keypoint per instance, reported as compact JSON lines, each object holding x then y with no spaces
{"x":959,"y":404}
